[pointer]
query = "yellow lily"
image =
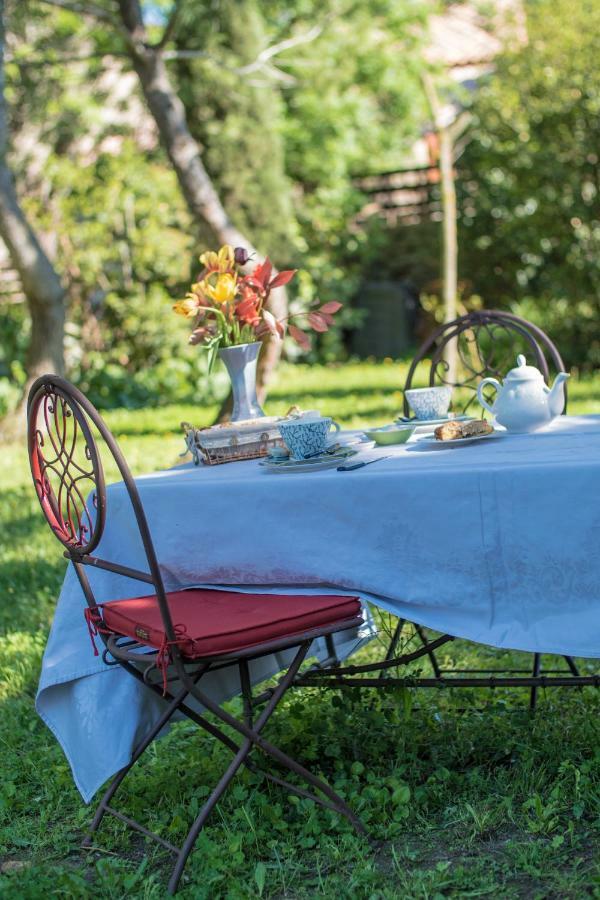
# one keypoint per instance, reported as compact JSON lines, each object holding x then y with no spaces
{"x":221,"y":292}
{"x":221,"y":262}
{"x":187,"y":307}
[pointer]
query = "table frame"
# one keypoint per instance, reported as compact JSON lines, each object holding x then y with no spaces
{"x":330,"y":673}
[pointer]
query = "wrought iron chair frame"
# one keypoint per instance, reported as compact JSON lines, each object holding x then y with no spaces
{"x":80,"y":535}
{"x":377,"y":673}
{"x":433,"y":347}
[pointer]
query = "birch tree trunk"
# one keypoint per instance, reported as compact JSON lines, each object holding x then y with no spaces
{"x":184,"y":153}
{"x":41,"y":284}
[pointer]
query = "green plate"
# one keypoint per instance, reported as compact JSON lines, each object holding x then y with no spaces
{"x":390,"y":434}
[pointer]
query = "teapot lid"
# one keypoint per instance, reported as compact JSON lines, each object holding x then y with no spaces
{"x":523,"y":372}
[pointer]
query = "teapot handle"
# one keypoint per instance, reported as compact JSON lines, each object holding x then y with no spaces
{"x":481,"y":398}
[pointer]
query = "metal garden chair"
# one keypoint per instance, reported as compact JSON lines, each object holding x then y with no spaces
{"x":169,"y":641}
{"x":487,"y":343}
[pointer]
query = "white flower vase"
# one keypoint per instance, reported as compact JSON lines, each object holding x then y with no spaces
{"x":240,"y":362}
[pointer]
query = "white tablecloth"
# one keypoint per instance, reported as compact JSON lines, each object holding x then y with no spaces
{"x":496,"y":541}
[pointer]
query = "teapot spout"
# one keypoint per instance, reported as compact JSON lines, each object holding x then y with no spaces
{"x":556,"y":395}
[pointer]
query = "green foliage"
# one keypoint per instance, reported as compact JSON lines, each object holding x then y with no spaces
{"x":284,"y":146}
{"x":120,"y":230}
{"x":237,"y":120}
{"x":127,"y":259}
{"x":354,"y":108}
{"x":281,"y":142}
{"x":530,"y":232}
{"x":464,"y":795}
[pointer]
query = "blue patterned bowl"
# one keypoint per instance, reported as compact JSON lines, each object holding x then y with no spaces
{"x":305,"y":437}
{"x":430,"y":402}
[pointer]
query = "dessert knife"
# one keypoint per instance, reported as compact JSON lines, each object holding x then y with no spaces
{"x":351,"y":466}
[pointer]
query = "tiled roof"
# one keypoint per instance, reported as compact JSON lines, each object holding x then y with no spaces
{"x":464,"y":36}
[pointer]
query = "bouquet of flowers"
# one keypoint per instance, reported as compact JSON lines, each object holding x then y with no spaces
{"x":228,"y":308}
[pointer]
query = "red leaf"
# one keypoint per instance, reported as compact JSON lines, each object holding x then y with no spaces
{"x":331,"y":308}
{"x":317,"y":321}
{"x":262,"y":273}
{"x":283,"y":278}
{"x":299,"y":336}
{"x":326,"y":317}
{"x":252,"y":282}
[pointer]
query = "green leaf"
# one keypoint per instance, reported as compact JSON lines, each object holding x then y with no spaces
{"x":260,"y":874}
{"x":401,"y":795}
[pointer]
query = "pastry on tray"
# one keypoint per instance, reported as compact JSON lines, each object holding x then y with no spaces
{"x":452,"y":431}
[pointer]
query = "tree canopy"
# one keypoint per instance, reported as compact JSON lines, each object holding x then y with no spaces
{"x":286,"y":103}
{"x":531,"y":179}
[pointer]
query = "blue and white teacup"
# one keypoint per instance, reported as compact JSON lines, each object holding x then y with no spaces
{"x":307,"y":436}
{"x":429,"y":402}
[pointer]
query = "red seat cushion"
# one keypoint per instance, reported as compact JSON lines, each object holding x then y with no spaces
{"x":209,"y":622}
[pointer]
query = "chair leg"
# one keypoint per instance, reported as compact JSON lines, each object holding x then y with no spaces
{"x":251,"y":738}
{"x":391,"y":650}
{"x":270,"y":750}
{"x":571,"y":664}
{"x":537,"y":660}
{"x":231,"y":745}
{"x":246,"y":687}
{"x":432,"y":657}
{"x":287,"y":761}
{"x":208,"y":807}
{"x":119,"y":777}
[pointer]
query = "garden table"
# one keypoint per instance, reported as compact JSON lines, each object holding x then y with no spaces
{"x":495,"y":542}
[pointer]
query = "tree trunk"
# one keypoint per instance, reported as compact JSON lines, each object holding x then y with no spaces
{"x":43,"y":289}
{"x":41,"y":284}
{"x":184,"y":153}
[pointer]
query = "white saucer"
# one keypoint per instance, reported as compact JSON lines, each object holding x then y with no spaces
{"x":314,"y":464}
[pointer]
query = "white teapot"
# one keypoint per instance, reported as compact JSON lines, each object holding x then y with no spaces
{"x":524,"y":402}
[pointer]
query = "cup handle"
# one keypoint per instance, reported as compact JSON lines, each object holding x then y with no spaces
{"x":495,"y":383}
{"x":336,"y":427}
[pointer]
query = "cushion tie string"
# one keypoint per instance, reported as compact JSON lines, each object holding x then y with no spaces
{"x":163,"y":658}
{"x":93,"y":619}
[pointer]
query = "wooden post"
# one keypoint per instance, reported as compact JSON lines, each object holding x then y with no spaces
{"x":449,"y":239}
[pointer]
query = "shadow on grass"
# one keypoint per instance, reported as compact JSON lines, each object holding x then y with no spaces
{"x":29,"y":588}
{"x":29,"y":522}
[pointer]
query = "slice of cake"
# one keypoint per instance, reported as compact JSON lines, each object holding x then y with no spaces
{"x":449,"y":431}
{"x":452,"y":431}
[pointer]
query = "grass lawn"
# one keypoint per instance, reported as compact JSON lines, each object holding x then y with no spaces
{"x":465,"y":795}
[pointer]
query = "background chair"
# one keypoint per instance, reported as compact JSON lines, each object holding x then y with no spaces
{"x":487,"y":344}
{"x":214,"y":628}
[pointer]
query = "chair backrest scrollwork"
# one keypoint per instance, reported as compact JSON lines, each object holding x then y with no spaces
{"x":66,"y":468}
{"x":69,"y":480}
{"x":487,"y":344}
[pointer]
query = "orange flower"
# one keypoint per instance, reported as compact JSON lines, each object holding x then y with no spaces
{"x":247,"y":309}
{"x":223,"y":291}
{"x":221,"y":262}
{"x":187,"y":307}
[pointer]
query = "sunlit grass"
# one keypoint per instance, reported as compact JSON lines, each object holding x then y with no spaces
{"x":480,"y":802}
